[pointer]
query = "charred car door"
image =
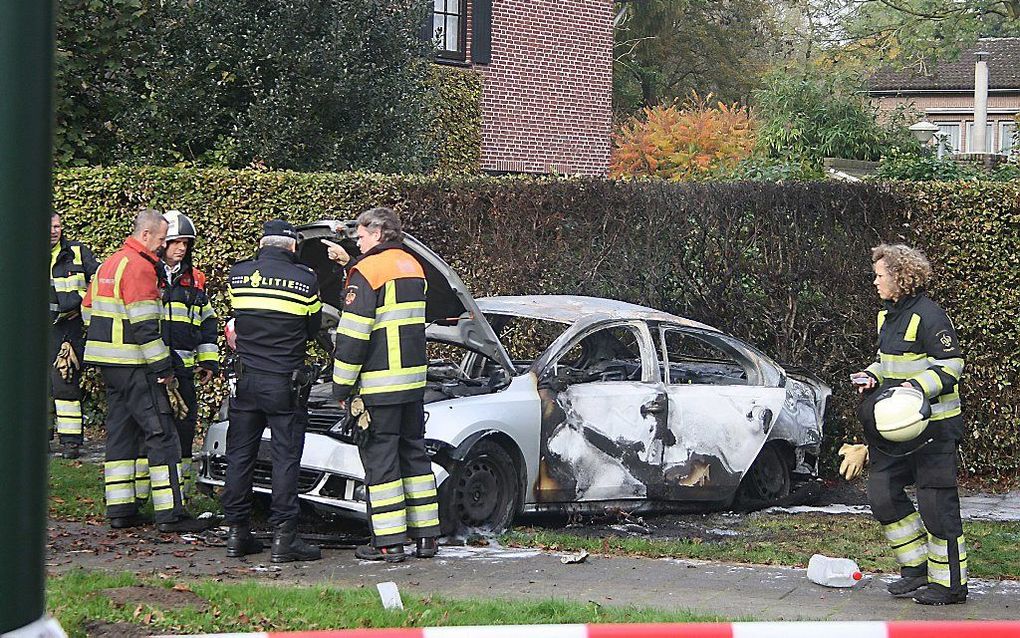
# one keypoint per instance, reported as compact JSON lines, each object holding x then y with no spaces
{"x":724,"y":397}
{"x":603,"y":415}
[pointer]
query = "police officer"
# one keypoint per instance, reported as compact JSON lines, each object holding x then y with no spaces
{"x":71,"y":269}
{"x":380,"y":363}
{"x":122,"y":309}
{"x":277,"y":311}
{"x":918,"y":347}
{"x":189,"y":329}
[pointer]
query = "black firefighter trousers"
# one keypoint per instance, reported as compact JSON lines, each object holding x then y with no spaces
{"x":67,"y":394}
{"x":264,"y":399}
{"x":139,"y":413}
{"x":928,"y":540}
{"x":402,"y":497}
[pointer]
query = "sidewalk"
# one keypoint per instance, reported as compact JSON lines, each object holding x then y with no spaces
{"x":981,"y":507}
{"x":733,"y":592}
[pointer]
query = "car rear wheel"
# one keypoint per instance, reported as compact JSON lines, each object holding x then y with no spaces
{"x":767,"y":480}
{"x":481,"y":492}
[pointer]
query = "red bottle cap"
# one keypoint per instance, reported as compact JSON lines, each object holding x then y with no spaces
{"x":858,"y":575}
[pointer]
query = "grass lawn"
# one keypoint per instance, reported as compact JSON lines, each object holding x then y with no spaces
{"x":788,"y":539}
{"x":77,"y":598}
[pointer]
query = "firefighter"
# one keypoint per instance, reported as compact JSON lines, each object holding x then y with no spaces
{"x":71,"y":269}
{"x":379,"y":375}
{"x":189,"y":329}
{"x":917,"y":347}
{"x":276,"y":312}
{"x":122,"y":310}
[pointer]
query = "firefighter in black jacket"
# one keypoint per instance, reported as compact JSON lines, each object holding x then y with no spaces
{"x":380,"y":364}
{"x":189,"y":329}
{"x":277,"y":311}
{"x":917,"y":346}
{"x":71,"y":269}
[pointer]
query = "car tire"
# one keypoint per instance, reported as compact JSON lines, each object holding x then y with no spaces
{"x":481,"y":493}
{"x":767,"y":480}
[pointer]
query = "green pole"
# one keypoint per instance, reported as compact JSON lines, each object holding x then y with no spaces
{"x":26,"y":75}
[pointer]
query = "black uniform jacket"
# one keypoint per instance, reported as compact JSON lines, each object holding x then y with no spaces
{"x":189,"y":321}
{"x":917,"y":343}
{"x":276,"y":308}
{"x":71,"y":270}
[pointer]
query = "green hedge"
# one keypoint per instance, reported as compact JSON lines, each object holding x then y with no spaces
{"x":784,"y":266}
{"x":458,"y":120}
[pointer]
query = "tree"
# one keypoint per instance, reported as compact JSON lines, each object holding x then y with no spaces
{"x":665,"y":49}
{"x":98,"y":73}
{"x":907,"y":32}
{"x":293,"y":84}
{"x":812,"y":115}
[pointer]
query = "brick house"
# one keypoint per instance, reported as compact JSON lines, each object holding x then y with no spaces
{"x":945,"y":94}
{"x":547,"y":79}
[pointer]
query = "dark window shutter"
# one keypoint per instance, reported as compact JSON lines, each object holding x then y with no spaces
{"x":481,"y":31}
{"x":426,"y":24}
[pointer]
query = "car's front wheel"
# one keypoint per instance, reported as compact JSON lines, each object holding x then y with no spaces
{"x":481,"y":492}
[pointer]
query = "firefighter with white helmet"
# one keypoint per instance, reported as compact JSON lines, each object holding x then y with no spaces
{"x":913,"y":424}
{"x":189,"y":329}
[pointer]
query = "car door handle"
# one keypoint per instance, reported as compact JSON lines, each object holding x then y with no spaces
{"x":656,"y":406}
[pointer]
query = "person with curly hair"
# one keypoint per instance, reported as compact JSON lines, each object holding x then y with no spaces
{"x":917,"y":347}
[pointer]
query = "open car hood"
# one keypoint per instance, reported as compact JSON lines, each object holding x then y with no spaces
{"x":450,"y":310}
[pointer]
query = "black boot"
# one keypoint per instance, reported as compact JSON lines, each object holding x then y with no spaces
{"x":937,"y":594}
{"x":426,"y":547}
{"x":185,"y":525}
{"x":288,"y":546}
{"x":911,"y":579}
{"x":241,"y":542}
{"x":70,"y":451}
{"x":124,"y":522}
{"x":390,"y":554}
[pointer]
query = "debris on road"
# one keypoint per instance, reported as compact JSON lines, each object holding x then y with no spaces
{"x":575,"y":559}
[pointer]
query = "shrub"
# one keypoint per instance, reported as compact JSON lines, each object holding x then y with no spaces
{"x":688,"y":143}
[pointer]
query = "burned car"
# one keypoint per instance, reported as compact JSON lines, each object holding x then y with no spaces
{"x":564,"y":404}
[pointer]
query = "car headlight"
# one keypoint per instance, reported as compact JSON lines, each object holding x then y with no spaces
{"x":359,"y":493}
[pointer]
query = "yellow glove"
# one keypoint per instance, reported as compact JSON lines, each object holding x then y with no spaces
{"x":855,"y":457}
{"x":66,"y":362}
{"x":177,"y":402}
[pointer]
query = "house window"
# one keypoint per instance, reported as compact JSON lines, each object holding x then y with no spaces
{"x":971,"y":147}
{"x":949,"y":136}
{"x":1006,"y":141}
{"x":449,"y":22}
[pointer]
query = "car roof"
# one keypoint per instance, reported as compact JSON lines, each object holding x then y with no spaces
{"x":571,"y":308}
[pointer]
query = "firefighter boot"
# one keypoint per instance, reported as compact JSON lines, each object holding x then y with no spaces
{"x":288,"y":546}
{"x":241,"y":542}
{"x":911,"y":579}
{"x":426,"y":547}
{"x":937,"y":594}
{"x":390,"y":553}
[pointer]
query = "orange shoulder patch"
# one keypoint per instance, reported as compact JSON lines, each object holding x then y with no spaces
{"x":389,"y":265}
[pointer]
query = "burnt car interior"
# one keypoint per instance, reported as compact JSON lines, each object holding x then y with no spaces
{"x":607,"y":354}
{"x":697,"y":359}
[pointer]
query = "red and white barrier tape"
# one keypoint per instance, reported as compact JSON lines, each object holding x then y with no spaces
{"x":920,"y":629}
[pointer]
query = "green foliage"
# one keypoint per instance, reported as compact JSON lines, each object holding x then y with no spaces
{"x":971,"y":233}
{"x":298,"y":84}
{"x":98,"y":73}
{"x":784,"y":266}
{"x":457,"y":123}
{"x":761,"y":168}
{"x":815,"y":115}
{"x":665,"y":49}
{"x":908,"y":166}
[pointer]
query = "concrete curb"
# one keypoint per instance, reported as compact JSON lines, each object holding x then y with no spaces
{"x":922,"y":629}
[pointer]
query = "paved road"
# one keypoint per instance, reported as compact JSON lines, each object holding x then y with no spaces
{"x":733,"y":592}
